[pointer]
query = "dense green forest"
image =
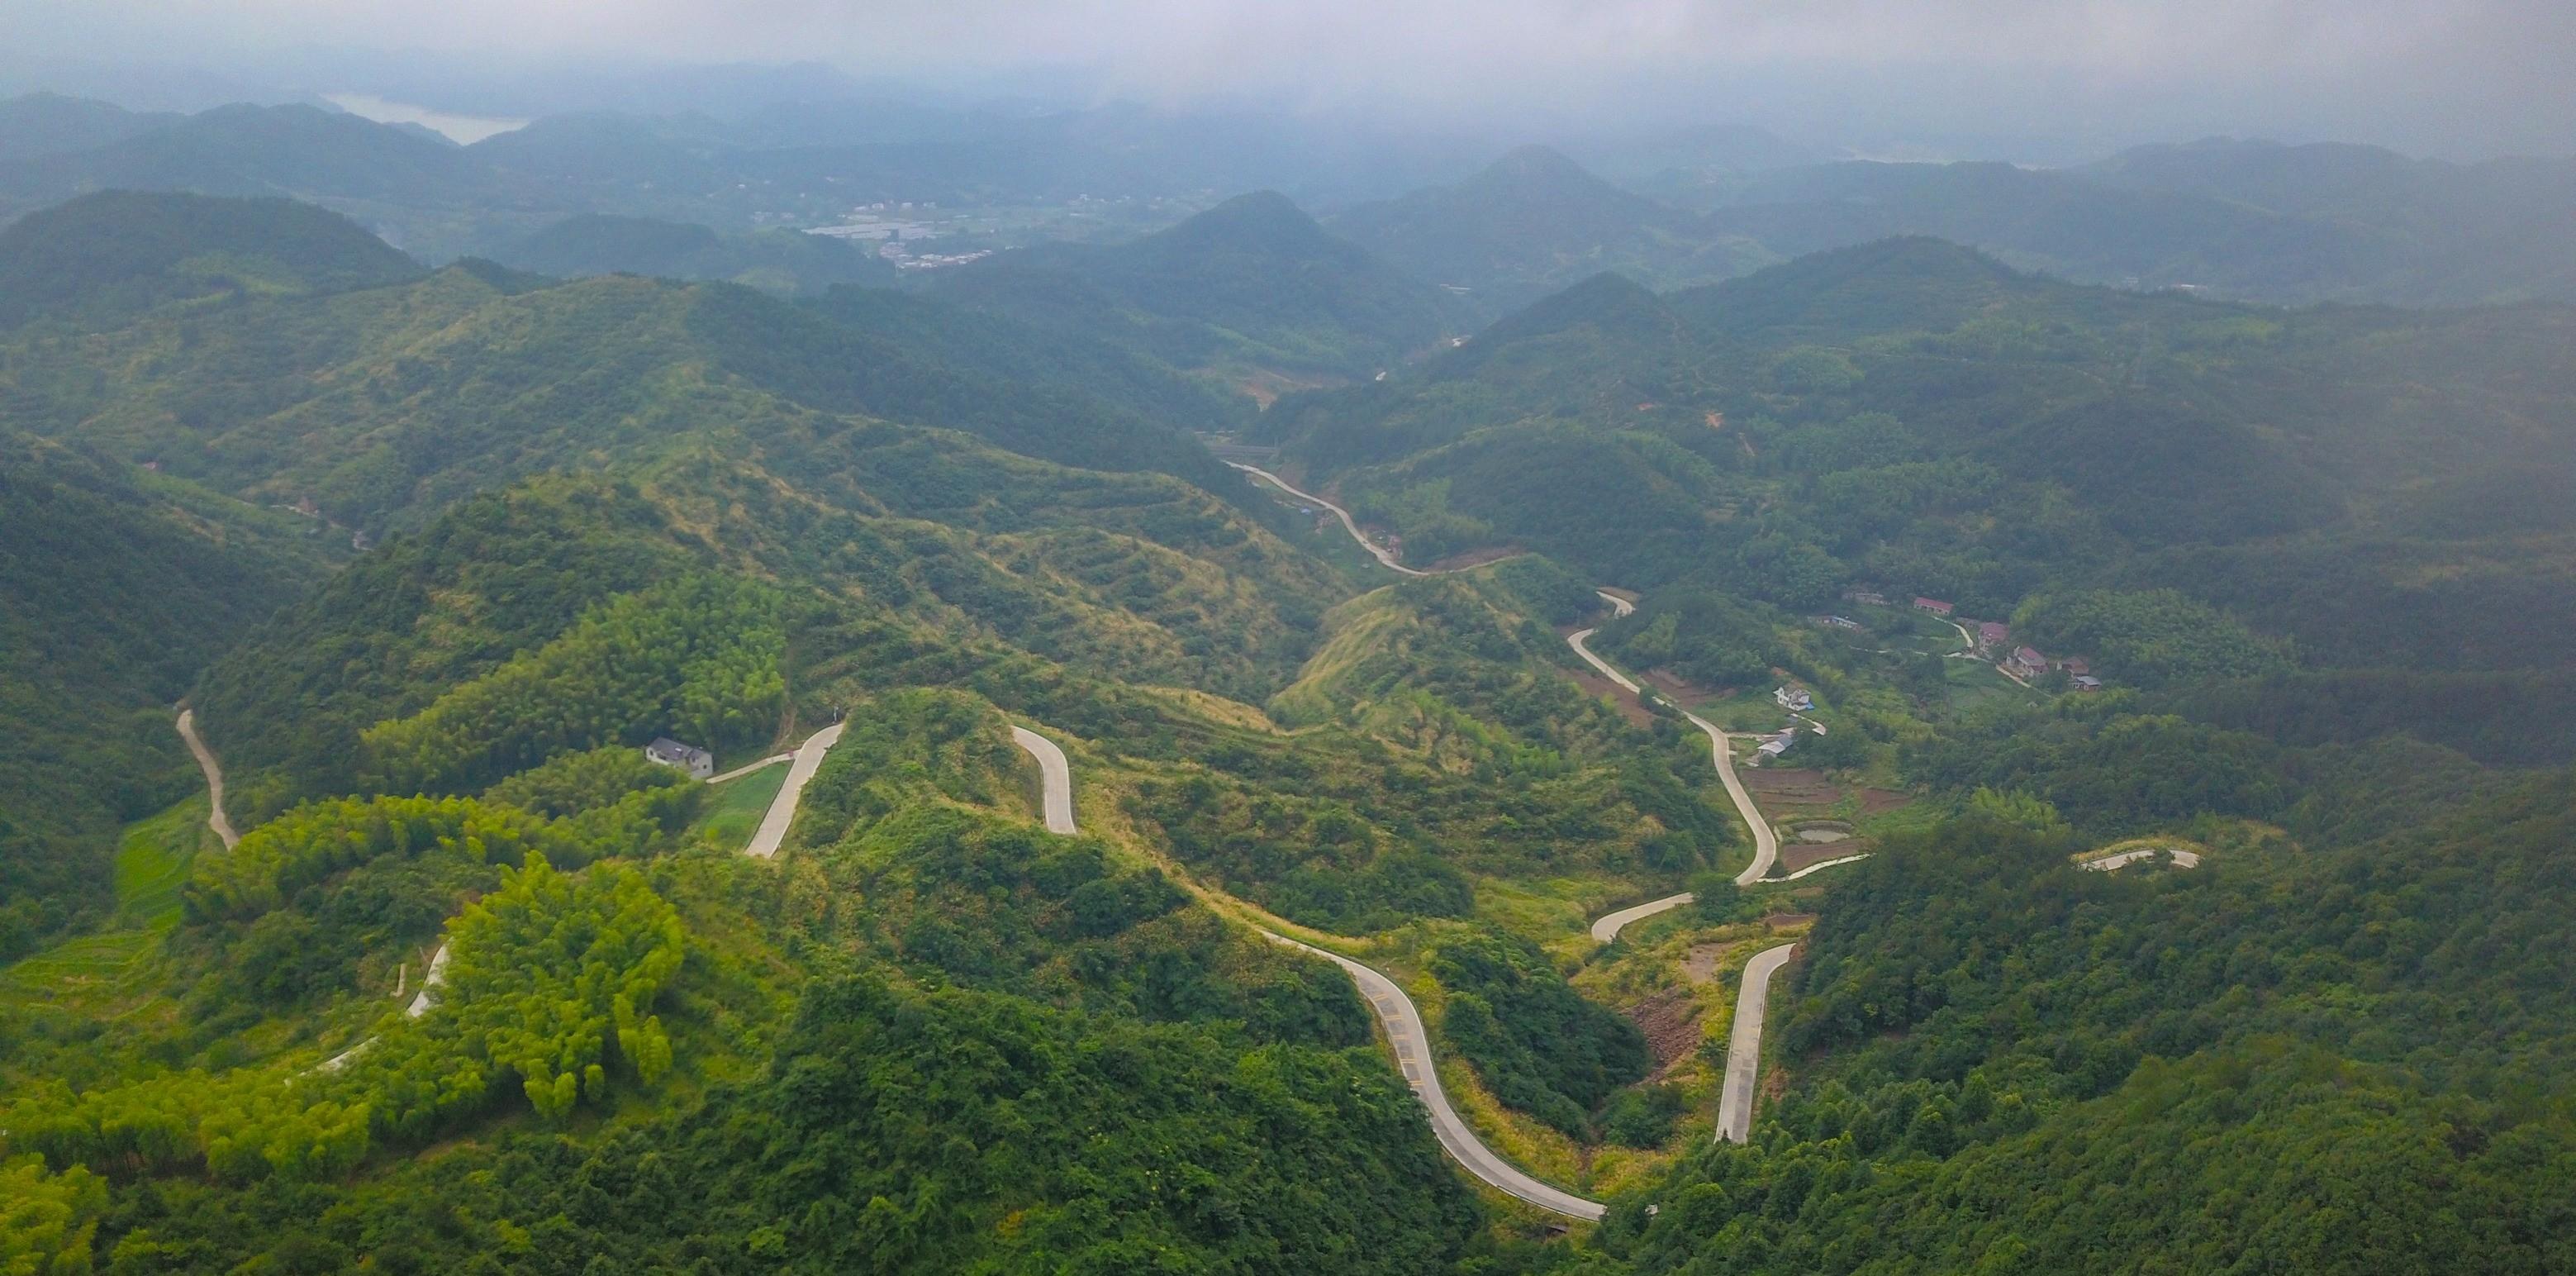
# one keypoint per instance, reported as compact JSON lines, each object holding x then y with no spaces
{"x":2333,"y":1058}
{"x":480,"y":988}
{"x":116,"y":589}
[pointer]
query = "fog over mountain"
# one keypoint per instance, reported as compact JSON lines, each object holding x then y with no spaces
{"x":1266,"y":637}
{"x":2001,"y":79}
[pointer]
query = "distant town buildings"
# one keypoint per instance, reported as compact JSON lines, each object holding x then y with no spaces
{"x":666,"y":751}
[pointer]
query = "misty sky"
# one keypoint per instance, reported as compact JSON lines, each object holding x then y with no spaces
{"x":2458,"y":76}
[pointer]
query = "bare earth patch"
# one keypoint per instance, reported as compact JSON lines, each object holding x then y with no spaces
{"x":1684,"y":692}
{"x":1700,"y":966}
{"x":1670,"y":1020}
{"x":1788,"y":794}
{"x":1598,"y":687}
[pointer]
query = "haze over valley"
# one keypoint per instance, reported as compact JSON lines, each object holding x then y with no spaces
{"x":1612,"y":639}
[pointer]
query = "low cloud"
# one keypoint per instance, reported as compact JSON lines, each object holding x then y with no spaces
{"x":2454,"y":68}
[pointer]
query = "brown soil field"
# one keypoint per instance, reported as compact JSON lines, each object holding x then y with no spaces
{"x":1670,"y":1020}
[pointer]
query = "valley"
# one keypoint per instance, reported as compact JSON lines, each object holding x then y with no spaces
{"x":514,"y":765}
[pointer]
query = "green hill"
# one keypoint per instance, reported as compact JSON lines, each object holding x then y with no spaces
{"x":483,"y":989}
{"x":34,"y":125}
{"x":104,"y":256}
{"x":383,"y":405}
{"x":115,"y":590}
{"x":1251,"y":283}
{"x":1918,"y":415}
{"x":2242,"y":219}
{"x":1533,"y":222}
{"x":997,"y":345}
{"x":773,"y":261}
{"x":299,"y":151}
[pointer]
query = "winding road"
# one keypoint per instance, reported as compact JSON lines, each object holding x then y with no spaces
{"x":221,"y":823}
{"x":782,"y":809}
{"x":1744,"y":1044}
{"x":1375,"y":550}
{"x":1744,"y":1050}
{"x":1766,"y":843}
{"x":1055,"y":775}
{"x":1405,"y":1033}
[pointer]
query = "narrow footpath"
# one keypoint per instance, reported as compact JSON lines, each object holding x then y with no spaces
{"x":221,"y":823}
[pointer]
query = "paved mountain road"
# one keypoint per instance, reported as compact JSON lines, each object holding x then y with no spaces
{"x":1055,"y":778}
{"x":1405,"y":1032}
{"x":1375,"y":550}
{"x":1766,"y":844}
{"x":221,"y":823}
{"x":782,"y":809}
{"x":1744,"y":1044}
{"x":2114,"y":863}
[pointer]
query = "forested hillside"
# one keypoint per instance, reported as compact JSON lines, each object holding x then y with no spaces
{"x":1913,"y":417}
{"x":1252,"y":284}
{"x":115,"y":591}
{"x":382,"y":406}
{"x":2133,"y":719}
{"x":1534,"y":222}
{"x":103,"y":257}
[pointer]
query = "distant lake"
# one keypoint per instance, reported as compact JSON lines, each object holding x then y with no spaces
{"x":462,"y":129}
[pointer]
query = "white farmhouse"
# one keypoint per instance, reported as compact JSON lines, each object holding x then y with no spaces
{"x":669,"y":752}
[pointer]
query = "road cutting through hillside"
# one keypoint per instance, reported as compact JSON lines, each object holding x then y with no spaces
{"x":1406,"y":1034}
{"x":1376,"y":551}
{"x":1735,"y":1101}
{"x":221,"y":823}
{"x":1744,"y":1044}
{"x":782,"y":809}
{"x":1766,"y":844}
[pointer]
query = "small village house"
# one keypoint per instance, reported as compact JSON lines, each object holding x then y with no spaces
{"x":1992,"y":634}
{"x":2026,"y":663}
{"x":666,"y":751}
{"x":1934,"y":606}
{"x":1793,"y":698}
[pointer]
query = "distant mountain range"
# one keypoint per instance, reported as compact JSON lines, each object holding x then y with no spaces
{"x":2250,"y":220}
{"x":1251,"y":283}
{"x":2243,"y":219}
{"x":782,"y":261}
